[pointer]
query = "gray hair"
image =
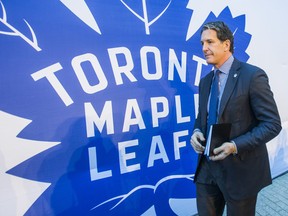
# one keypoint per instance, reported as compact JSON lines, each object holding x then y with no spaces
{"x":223,"y":32}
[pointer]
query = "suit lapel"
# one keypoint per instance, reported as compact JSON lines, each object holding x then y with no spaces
{"x":206,"y":91}
{"x":230,"y":85}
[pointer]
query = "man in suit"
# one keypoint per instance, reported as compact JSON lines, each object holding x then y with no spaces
{"x":239,"y":168}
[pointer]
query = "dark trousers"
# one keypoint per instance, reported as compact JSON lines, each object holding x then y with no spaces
{"x":211,"y":202}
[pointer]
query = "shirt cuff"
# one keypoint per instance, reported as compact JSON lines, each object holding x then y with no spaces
{"x":235,"y":148}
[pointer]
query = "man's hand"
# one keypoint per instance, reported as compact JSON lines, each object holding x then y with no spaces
{"x":196,"y":139}
{"x":223,"y":151}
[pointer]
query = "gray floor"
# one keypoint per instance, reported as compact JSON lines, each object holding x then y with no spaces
{"x":273,"y":200}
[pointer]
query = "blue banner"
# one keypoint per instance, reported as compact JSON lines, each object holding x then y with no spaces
{"x":114,"y":84}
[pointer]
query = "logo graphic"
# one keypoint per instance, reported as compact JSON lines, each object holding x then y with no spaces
{"x":15,"y":32}
{"x":101,"y":122}
{"x":145,"y":18}
{"x":141,"y":187}
{"x":81,"y":10}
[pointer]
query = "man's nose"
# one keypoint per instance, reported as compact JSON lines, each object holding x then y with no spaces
{"x":204,"y":47}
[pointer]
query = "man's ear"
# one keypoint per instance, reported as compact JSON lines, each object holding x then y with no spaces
{"x":227,"y":45}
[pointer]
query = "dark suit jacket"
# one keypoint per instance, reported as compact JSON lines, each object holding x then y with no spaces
{"x":247,"y":102}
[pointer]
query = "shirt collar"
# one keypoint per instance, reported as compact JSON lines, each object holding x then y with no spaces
{"x":225,"y":68}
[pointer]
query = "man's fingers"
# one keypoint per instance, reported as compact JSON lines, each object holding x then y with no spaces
{"x":222,"y":152}
{"x":220,"y":156}
{"x":199,"y":148}
{"x":195,"y":141}
{"x":218,"y":150}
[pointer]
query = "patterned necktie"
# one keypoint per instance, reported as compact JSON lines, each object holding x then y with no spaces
{"x":214,"y":100}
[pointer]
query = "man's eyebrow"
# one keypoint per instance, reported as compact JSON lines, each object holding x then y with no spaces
{"x":207,"y":39}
